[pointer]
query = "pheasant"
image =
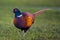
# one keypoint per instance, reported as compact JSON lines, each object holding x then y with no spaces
{"x":24,"y":20}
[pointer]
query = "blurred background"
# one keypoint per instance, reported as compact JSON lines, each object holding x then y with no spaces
{"x":46,"y":26}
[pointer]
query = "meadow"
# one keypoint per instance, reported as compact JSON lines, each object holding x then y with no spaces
{"x":46,"y":26}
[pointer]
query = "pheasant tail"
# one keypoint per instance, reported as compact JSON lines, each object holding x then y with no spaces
{"x":40,"y":12}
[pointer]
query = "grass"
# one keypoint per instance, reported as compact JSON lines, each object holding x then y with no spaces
{"x":46,"y":26}
{"x":50,"y":3}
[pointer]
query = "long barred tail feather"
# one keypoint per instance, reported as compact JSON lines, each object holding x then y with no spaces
{"x":40,"y":12}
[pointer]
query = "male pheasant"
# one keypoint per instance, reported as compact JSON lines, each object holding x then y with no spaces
{"x":24,"y":20}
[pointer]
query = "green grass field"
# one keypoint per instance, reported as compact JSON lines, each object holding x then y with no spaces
{"x":46,"y":26}
{"x":50,"y":3}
